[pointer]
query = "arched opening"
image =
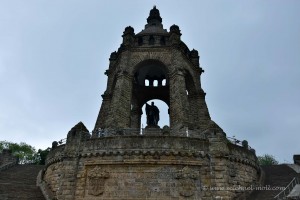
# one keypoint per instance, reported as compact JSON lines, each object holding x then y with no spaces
{"x":164,"y":118}
{"x":140,"y":41}
{"x":151,"y":40}
{"x":146,"y":82}
{"x":150,"y":82}
{"x":162,"y":40}
{"x":152,"y":70}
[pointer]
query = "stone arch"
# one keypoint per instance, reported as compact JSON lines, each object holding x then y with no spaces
{"x":150,"y":69}
{"x":137,"y":58}
{"x":149,"y":99}
{"x":163,"y":113}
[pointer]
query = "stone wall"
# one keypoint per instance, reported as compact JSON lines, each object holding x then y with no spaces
{"x":234,"y":167}
{"x":244,"y":171}
{"x":149,"y":167}
{"x":7,"y":158}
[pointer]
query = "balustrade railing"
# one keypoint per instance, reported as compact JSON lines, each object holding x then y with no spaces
{"x":284,"y":193}
{"x":142,"y":131}
{"x":242,"y":143}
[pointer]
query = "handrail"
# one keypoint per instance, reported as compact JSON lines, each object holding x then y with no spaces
{"x":62,"y":141}
{"x":140,"y":131}
{"x":289,"y":187}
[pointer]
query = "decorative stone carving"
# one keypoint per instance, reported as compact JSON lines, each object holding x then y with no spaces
{"x":96,"y":180}
{"x":187,"y":178}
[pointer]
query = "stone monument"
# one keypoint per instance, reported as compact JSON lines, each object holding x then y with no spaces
{"x":119,"y":160}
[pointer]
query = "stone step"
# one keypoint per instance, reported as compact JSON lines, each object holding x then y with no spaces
{"x":275,"y":176}
{"x":19,"y":182}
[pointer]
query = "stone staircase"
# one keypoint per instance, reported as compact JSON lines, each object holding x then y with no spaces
{"x":19,"y":183}
{"x":275,"y":176}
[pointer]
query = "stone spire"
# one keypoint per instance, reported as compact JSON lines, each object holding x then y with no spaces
{"x":154,"y":18}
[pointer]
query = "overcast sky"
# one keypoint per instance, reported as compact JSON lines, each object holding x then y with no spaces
{"x":53,"y":55}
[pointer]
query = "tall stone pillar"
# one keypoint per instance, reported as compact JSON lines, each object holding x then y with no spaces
{"x":136,"y":114}
{"x":121,"y":102}
{"x":198,"y":111}
{"x":104,"y":111}
{"x":178,"y":100}
{"x":218,"y":152}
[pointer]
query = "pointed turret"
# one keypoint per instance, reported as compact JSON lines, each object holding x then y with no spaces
{"x":154,"y":17}
{"x":154,"y":24}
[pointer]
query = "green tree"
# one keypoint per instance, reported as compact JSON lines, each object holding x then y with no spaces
{"x":267,"y":160}
{"x":26,"y":153}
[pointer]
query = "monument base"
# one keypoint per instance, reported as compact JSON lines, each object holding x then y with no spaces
{"x":152,"y":127}
{"x":152,"y":130}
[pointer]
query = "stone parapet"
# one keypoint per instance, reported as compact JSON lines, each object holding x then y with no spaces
{"x":149,"y":166}
{"x":55,"y":155}
{"x":242,"y":155}
{"x":144,"y":145}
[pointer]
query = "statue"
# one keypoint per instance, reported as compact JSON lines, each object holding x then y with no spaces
{"x":152,"y":113}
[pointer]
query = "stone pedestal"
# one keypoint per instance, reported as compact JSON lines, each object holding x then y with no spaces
{"x":152,"y":130}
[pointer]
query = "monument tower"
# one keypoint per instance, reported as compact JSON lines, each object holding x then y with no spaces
{"x":154,"y":54}
{"x":118,"y":160}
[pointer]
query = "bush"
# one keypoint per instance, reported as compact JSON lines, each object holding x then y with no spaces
{"x":267,"y":160}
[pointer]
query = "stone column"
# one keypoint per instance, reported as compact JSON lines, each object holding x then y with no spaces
{"x":104,"y":112}
{"x":178,"y":100}
{"x":198,"y":111}
{"x":219,"y":163}
{"x":136,"y":114}
{"x":121,"y":102}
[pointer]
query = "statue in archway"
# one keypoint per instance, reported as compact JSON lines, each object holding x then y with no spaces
{"x":152,"y":113}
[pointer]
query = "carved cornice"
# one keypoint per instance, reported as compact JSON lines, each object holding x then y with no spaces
{"x":54,"y":160}
{"x":151,"y":49}
{"x":181,"y":153}
{"x":155,"y":154}
{"x":237,"y":159}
